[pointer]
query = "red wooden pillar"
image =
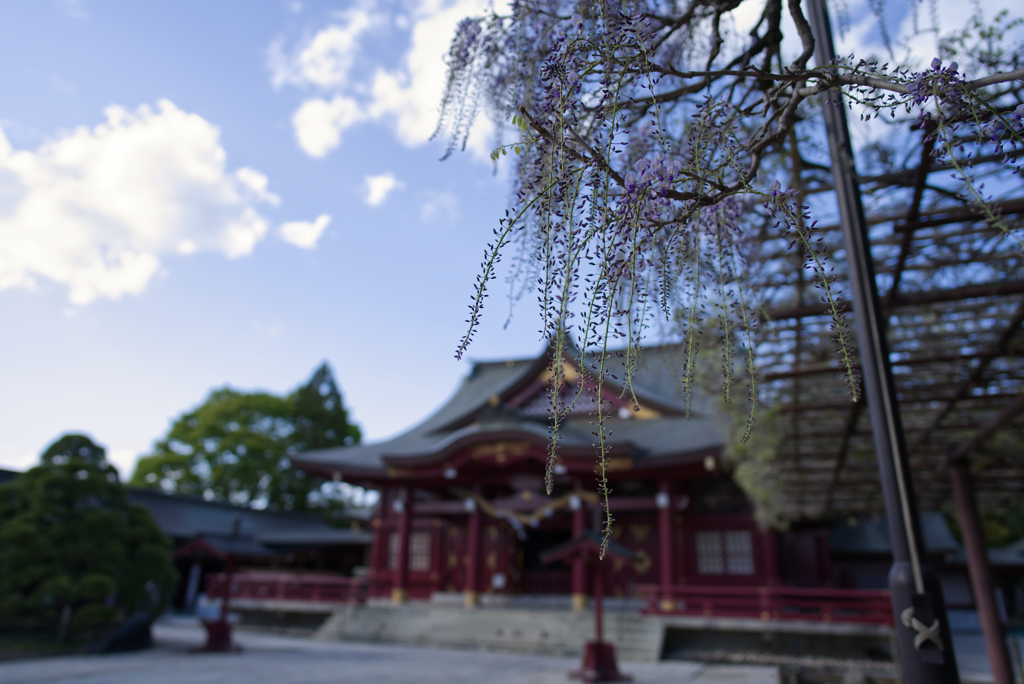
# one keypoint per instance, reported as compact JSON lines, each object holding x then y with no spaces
{"x":663,"y":500}
{"x":471,"y":589}
{"x":683,"y":546}
{"x":505,"y":560}
{"x":402,"y":506}
{"x":599,"y":569}
{"x":980,"y":573}
{"x":229,"y":576}
{"x":770,"y":557}
{"x":579,"y":563}
{"x":379,"y":546}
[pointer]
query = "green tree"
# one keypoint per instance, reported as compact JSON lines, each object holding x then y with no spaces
{"x":236,"y":446}
{"x":321,"y":420}
{"x":71,"y":543}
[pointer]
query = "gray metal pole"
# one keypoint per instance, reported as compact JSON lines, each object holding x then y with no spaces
{"x":919,"y":613}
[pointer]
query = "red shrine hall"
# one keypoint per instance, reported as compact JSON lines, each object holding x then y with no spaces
{"x":463,"y":510}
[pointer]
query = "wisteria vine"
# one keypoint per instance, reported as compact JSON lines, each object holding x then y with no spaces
{"x":650,"y":156}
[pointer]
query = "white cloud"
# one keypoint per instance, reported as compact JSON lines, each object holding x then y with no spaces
{"x":953,"y":16}
{"x":439,"y":209}
{"x":917,"y":48}
{"x":95,"y":209}
{"x":407,"y":97}
{"x":257,"y":184}
{"x":304,"y":234}
{"x":328,"y":58}
{"x":380,"y":186}
{"x":295,"y":6}
{"x":412,"y":93}
{"x":324,"y":60}
{"x":319,"y":123}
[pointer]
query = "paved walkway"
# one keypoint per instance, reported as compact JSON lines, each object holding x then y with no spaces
{"x":972,"y":658}
{"x":286,"y":660}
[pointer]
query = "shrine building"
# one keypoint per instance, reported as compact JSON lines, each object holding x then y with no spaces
{"x":463,"y":510}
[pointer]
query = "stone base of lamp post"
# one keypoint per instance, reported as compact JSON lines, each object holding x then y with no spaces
{"x":599,"y":664}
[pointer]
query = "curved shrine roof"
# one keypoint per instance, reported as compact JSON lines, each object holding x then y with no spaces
{"x":491,"y":404}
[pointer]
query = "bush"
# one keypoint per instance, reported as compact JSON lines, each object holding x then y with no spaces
{"x":69,"y":538}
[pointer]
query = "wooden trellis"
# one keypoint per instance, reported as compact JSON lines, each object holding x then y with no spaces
{"x":952,"y":287}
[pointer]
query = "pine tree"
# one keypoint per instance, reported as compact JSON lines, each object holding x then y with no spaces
{"x":321,"y":420}
{"x":72,"y":544}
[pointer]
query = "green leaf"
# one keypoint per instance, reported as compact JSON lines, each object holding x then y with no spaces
{"x":237,"y":445}
{"x":69,"y":538}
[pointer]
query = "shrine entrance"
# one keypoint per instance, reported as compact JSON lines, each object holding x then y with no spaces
{"x":536,"y":577}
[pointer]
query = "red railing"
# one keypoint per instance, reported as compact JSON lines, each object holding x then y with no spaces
{"x":290,"y":587}
{"x":771,"y":603}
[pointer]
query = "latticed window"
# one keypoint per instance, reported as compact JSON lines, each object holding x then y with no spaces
{"x":728,"y":552}
{"x":710,"y":559}
{"x":419,"y":551}
{"x":739,"y":553}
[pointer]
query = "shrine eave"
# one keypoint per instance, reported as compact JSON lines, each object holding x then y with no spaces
{"x":634,"y":444}
{"x":460,"y":444}
{"x":488,"y":409}
{"x":498,"y":451}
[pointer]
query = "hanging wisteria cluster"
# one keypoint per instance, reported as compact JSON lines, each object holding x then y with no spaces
{"x":652,"y":145}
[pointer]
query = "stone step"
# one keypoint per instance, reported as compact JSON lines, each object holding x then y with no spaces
{"x":541,"y":632}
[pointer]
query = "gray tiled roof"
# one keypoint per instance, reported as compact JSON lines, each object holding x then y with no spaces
{"x":467,"y":414}
{"x":238,"y":529}
{"x":1011,"y":554}
{"x":872,"y":535}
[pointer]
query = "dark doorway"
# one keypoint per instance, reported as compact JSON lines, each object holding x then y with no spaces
{"x":538,"y":578}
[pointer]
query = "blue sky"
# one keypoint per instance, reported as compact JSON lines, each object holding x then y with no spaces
{"x":199,"y":194}
{"x":142,"y":258}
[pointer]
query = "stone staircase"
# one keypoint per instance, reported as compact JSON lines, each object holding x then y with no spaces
{"x":636,"y":636}
{"x":510,"y":630}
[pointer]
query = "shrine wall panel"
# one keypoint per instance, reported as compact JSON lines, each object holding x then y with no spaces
{"x":638,"y":532}
{"x":498,"y":552}
{"x":456,"y":556}
{"x":426,"y":546}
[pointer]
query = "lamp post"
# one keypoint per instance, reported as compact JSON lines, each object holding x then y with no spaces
{"x":599,"y":663}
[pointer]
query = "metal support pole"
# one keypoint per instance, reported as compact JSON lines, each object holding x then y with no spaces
{"x":922,"y":629}
{"x":980,"y":573}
